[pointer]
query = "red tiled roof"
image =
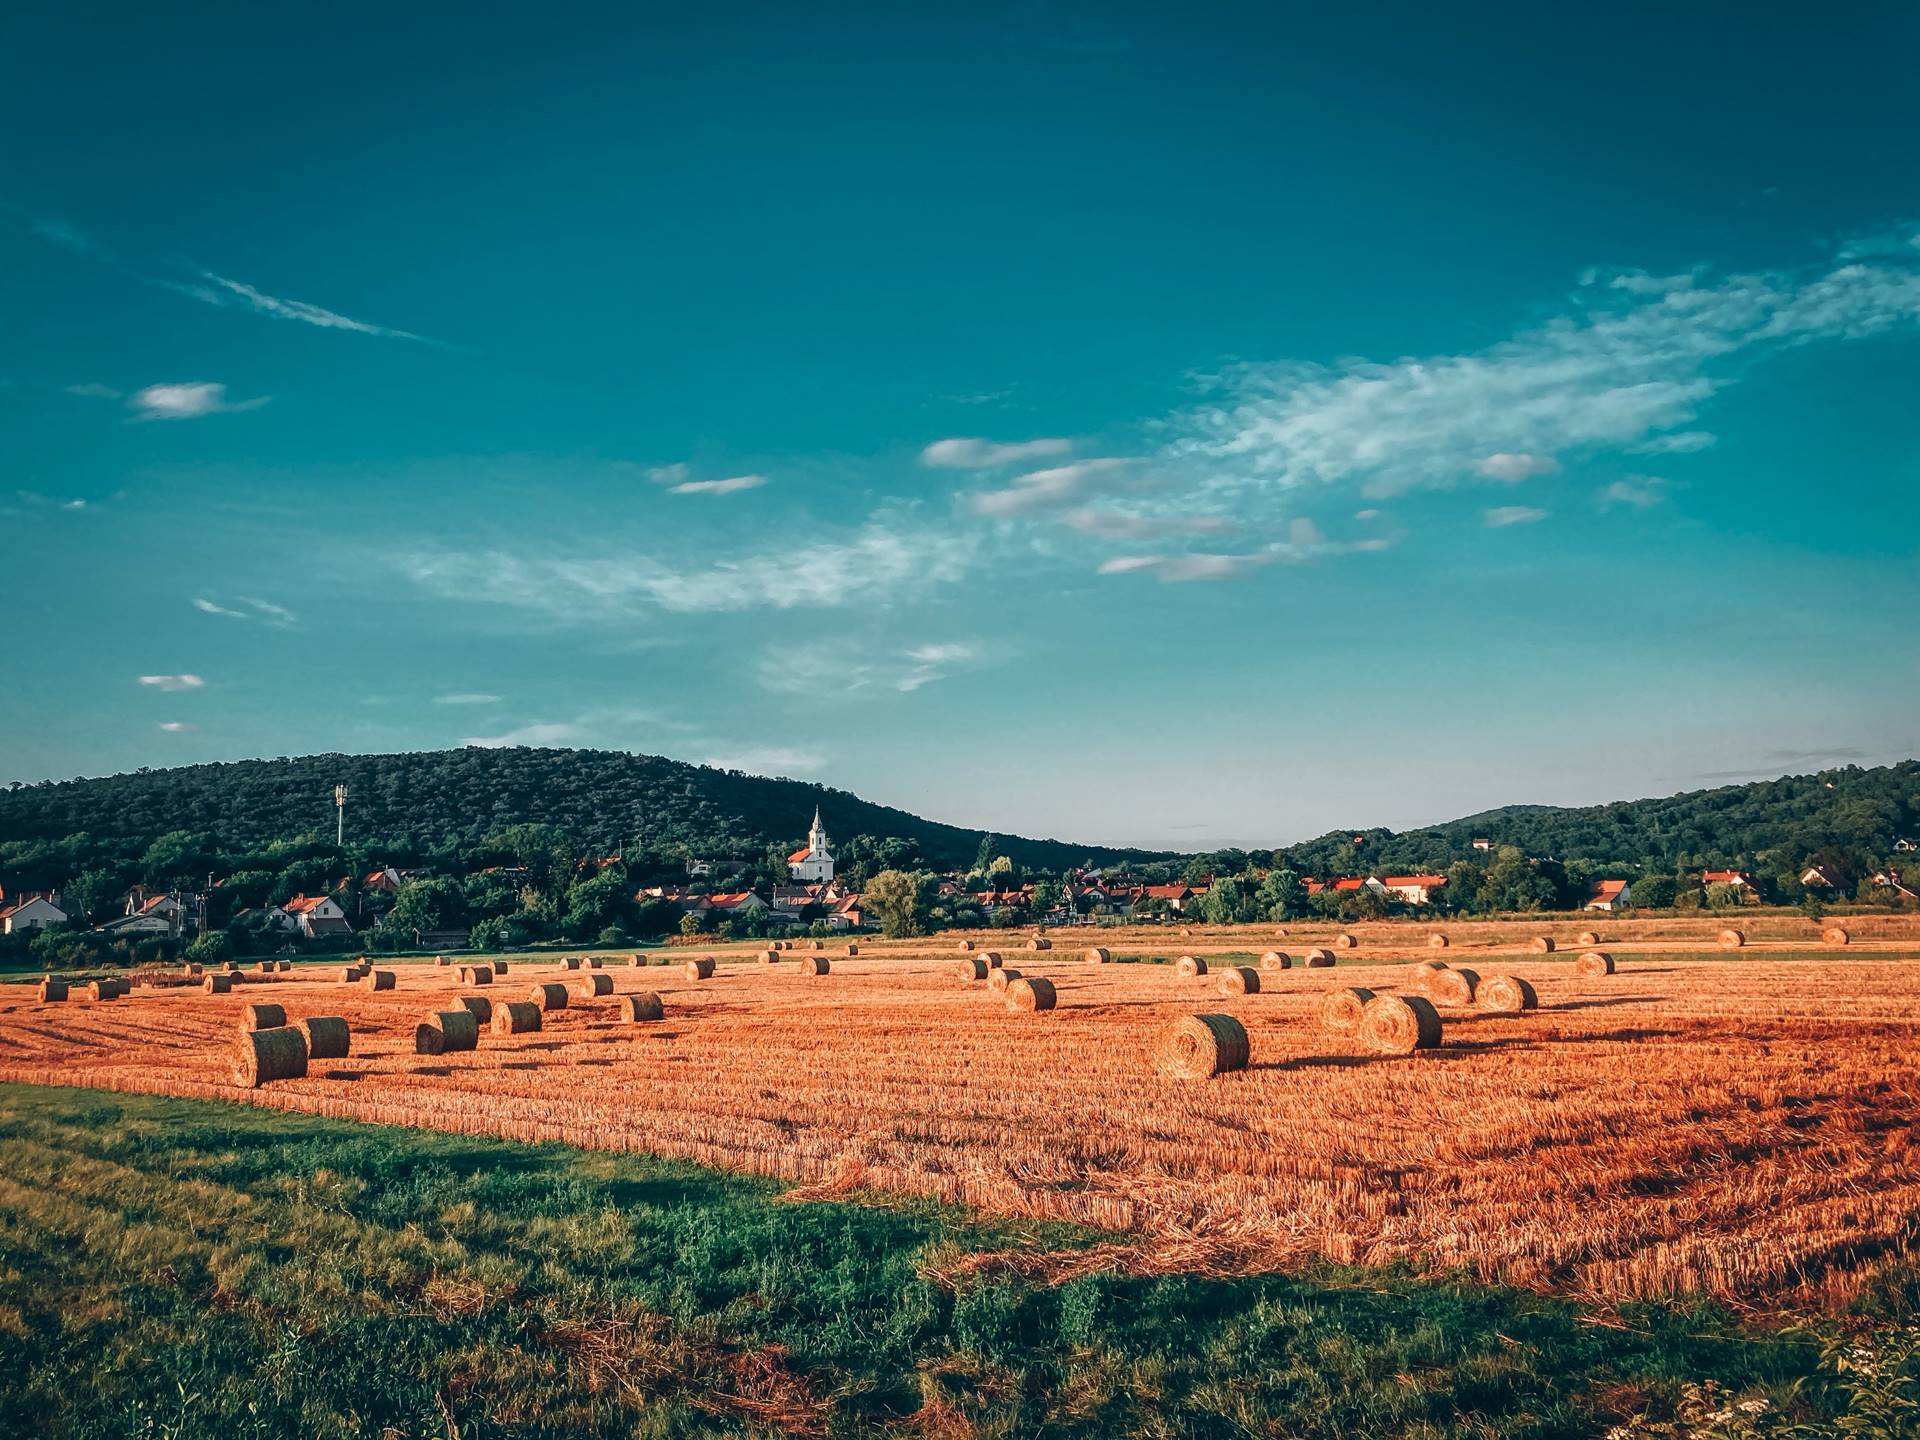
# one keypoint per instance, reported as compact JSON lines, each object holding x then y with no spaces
{"x":1429,"y":882}
{"x":797,"y":856}
{"x":1348,"y":884}
{"x":300,"y":904}
{"x":1726,"y":877}
{"x":1608,"y":889}
{"x":732,"y":897}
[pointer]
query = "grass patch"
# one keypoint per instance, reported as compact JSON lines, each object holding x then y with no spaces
{"x":185,"y":1268}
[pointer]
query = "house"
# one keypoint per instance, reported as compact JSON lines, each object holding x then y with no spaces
{"x":1481,"y":842}
{"x":1414,"y":889}
{"x":1819,"y":877}
{"x":1176,"y":896}
{"x":1905,"y":847}
{"x":145,"y":923}
{"x":1610,"y":895}
{"x":736,"y":902}
{"x":35,"y":911}
{"x":1889,"y":879}
{"x":1740,"y":880}
{"x":1349,"y":884}
{"x":387,"y":880}
{"x":314,"y":916}
{"x":847,"y":914}
{"x":813,"y":862}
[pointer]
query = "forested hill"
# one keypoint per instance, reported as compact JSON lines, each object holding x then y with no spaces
{"x":429,"y":801}
{"x":1765,"y":824}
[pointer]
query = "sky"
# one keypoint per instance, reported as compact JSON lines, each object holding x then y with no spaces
{"x":1174,"y":426}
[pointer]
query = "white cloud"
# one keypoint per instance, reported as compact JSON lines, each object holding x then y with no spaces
{"x":219,"y":290}
{"x":1632,"y":369}
{"x":206,"y":606}
{"x":1173,"y":569}
{"x":935,"y":662}
{"x":276,"y":614}
{"x":720,"y":487}
{"x":1304,"y":532}
{"x":1368,"y":514}
{"x":539,"y":733}
{"x":884,"y":559}
{"x":1501,"y":516}
{"x":466,"y":697}
{"x":187,"y":401}
{"x":173,"y":682}
{"x":34,"y":497}
{"x":1042,"y":489}
{"x":669,"y":474}
{"x":174,"y":727}
{"x":767,"y":760}
{"x":1512,"y":467}
{"x":1112,"y":524}
{"x":842,"y":667}
{"x":1680,"y":443}
{"x":972,"y":453}
{"x":1642,"y":492}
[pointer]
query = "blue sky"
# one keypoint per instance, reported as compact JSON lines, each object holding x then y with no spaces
{"x":1179,"y":428}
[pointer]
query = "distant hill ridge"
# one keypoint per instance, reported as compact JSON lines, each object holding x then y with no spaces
{"x":424,"y":799}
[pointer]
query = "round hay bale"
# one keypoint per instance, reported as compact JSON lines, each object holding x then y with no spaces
{"x":191,"y":971}
{"x":516,"y":1017}
{"x":1593,"y":964}
{"x":232,"y":967}
{"x":445,"y":1032}
{"x":1835,"y":935}
{"x":1541,"y":945}
{"x":640,"y":1008}
{"x":769,"y":957}
{"x":1031,"y":992}
{"x":966,"y":947}
{"x":1001,"y":979}
{"x":1437,"y":941}
{"x":1276,"y":960}
{"x":1399,"y":1024}
{"x":634,"y":962}
{"x":970,"y":969}
{"x":594,"y":962}
{"x":570,"y":962}
{"x":476,"y":974}
{"x":442,"y":961}
{"x":379,"y":979}
{"x":499,"y":967}
{"x":478,"y":1006}
{"x":1186,"y":930}
{"x":1426,"y":968}
{"x":815,"y":965}
{"x":328,"y":1037}
{"x":1451,"y":987}
{"x":264,"y":1055}
{"x":265,"y":967}
{"x":851,"y":949}
{"x":52,"y":989}
{"x":1319,"y":960}
{"x":1507,"y":994}
{"x":992,"y":957}
{"x":1099,"y":955}
{"x":1731,"y":939}
{"x":350,"y":974}
{"x":1281,"y":932}
{"x":1039,"y":942}
{"x":218,"y":984}
{"x":1342,"y":1008}
{"x":1198,"y":1047}
{"x":261,"y":1016}
{"x":701,"y":969}
{"x":816,"y":945}
{"x":592,"y":987}
{"x":1587,"y":939}
{"x":1189,"y":967}
{"x":549,"y":995}
{"x":1239,"y":980}
{"x":1346,"y":942}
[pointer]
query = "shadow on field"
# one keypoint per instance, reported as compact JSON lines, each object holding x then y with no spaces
{"x":344,"y":1075}
{"x":1315,"y":1062}
{"x":1603,"y":1004}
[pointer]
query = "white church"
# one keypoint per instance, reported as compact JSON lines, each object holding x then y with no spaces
{"x":812,"y":865}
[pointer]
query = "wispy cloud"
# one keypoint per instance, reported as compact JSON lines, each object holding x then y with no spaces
{"x":842,"y":667}
{"x":274,"y":614}
{"x":188,"y":401}
{"x":208,"y":607}
{"x":767,"y":760}
{"x":1045,"y":489}
{"x":972,"y":453}
{"x":212,"y":289}
{"x":539,"y":733}
{"x":1109,"y":523}
{"x":1176,"y":569}
{"x":466,"y":697}
{"x":1642,"y":492}
{"x":1629,"y":368}
{"x":34,"y":497}
{"x":174,"y":727}
{"x":720,"y":487}
{"x":173,"y":682}
{"x":883,"y":560}
{"x":1498,"y":517}
{"x":265,"y":611}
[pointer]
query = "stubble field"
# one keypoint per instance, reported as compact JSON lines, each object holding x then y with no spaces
{"x":1740,"y":1126}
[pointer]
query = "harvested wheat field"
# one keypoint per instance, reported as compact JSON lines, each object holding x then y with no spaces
{"x":1741,"y":1127}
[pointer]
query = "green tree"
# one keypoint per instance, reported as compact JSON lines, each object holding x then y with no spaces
{"x":902,"y":901}
{"x":90,"y":893}
{"x":1281,"y":896}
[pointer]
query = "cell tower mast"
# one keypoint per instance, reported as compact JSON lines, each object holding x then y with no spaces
{"x":340,"y":816}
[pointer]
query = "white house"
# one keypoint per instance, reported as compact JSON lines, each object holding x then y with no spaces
{"x":1414,"y":889}
{"x":312,"y":915}
{"x":1610,"y":895}
{"x":812,"y":865}
{"x":36,"y":912}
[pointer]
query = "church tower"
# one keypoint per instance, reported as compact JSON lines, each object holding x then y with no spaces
{"x":813,"y":865}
